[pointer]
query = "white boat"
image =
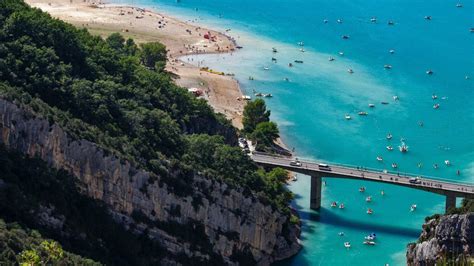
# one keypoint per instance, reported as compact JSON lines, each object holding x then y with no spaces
{"x":325,"y":21}
{"x":392,"y":51}
{"x":379,"y":158}
{"x":403,"y":147}
{"x":361,"y":189}
{"x":391,"y":23}
{"x":434,"y":96}
{"x":302,"y":50}
{"x":371,"y":105}
{"x":334,"y":204}
{"x":428,"y":17}
{"x":347,"y":244}
{"x":370,"y":211}
{"x":370,"y":243}
{"x":347,"y":117}
{"x":331,"y":59}
{"x":389,"y":136}
{"x":341,"y":233}
{"x":447,"y":162}
{"x":395,"y":98}
{"x":342,"y":206}
{"x":339,"y":21}
{"x":341,"y":53}
{"x":371,"y":237}
{"x":362,"y":113}
{"x":267,"y":95}
{"x":350,"y":70}
{"x":382,"y":193}
{"x":345,"y":37}
{"x":301,"y":43}
{"x":390,"y":148}
{"x":458,"y":5}
{"x":387,"y":66}
{"x":394,"y":165}
{"x":286,"y":79}
{"x":429,"y":72}
{"x":266,"y":68}
{"x":368,"y":199}
{"x":413,"y":207}
{"x":373,"y":19}
{"x":436,"y":106}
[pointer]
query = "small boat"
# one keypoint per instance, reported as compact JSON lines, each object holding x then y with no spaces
{"x":390,"y":148}
{"x":428,"y":17}
{"x":274,"y":50}
{"x":274,"y":59}
{"x":370,"y":211}
{"x":370,"y":243}
{"x":395,"y":98}
{"x":339,"y":21}
{"x":429,"y":72}
{"x":331,"y":59}
{"x":345,"y":37}
{"x":436,"y":106}
{"x":382,"y":193}
{"x":391,"y":23}
{"x":266,"y":68}
{"x":413,"y":207}
{"x":347,"y":117}
{"x":259,"y":94}
{"x":362,"y":189}
{"x":368,"y":199}
{"x":294,"y":178}
{"x":435,"y":166}
{"x":371,"y":237}
{"x":347,"y":244}
{"x":299,"y":61}
{"x":471,"y":30}
{"x":341,"y":234}
{"x":302,"y":50}
{"x":371,"y":105}
{"x":251,"y":78}
{"x":394,"y":165}
{"x":387,"y":66}
{"x":385,"y":103}
{"x":447,"y":162}
{"x":373,"y":19}
{"x":434,"y":96}
{"x":389,"y":136}
{"x":286,"y":79}
{"x":362,"y":113}
{"x":342,"y":206}
{"x":350,"y":71}
{"x":325,"y":21}
{"x":379,"y":158}
{"x":267,"y":95}
{"x":391,"y":51}
{"x":403,"y":148}
{"x":290,"y":64}
{"x":459,"y":5}
{"x":301,"y":43}
{"x":341,"y":53}
{"x":334,"y":204}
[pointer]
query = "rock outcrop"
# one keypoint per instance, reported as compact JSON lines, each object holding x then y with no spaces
{"x":226,"y":222}
{"x":447,"y":238}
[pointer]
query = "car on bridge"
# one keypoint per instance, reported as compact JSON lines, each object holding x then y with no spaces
{"x":415,"y":180}
{"x":324,"y":167}
{"x":295,"y":163}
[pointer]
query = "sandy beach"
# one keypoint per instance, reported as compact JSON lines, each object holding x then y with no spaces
{"x":180,"y":38}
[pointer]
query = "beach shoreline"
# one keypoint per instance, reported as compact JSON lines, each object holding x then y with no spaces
{"x":222,"y":92}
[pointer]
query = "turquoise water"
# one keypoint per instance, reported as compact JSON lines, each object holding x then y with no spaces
{"x":310,"y":108}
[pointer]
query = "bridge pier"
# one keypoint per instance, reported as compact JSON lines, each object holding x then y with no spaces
{"x":450,"y":202}
{"x":315,"y":196}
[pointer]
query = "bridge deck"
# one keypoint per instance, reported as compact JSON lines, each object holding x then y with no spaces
{"x":443,"y":187}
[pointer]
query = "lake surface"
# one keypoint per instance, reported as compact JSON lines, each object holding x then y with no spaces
{"x":310,"y":108}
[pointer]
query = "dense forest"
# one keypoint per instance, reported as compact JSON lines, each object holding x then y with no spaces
{"x":117,"y":94}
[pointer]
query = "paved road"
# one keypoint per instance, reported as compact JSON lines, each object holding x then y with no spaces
{"x":312,"y":168}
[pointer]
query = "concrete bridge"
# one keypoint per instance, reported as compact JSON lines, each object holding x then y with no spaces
{"x":450,"y":189}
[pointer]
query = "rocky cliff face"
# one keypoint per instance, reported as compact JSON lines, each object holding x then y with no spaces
{"x":226,"y":222}
{"x":448,"y":238}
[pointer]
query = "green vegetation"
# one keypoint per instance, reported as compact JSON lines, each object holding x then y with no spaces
{"x":257,"y":125}
{"x":116,"y":94}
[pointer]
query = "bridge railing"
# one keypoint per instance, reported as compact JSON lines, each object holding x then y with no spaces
{"x":363,"y":168}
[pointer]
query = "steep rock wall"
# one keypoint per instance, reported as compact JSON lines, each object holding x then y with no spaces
{"x":236,"y":225}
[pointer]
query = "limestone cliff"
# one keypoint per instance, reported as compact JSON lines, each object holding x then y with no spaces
{"x":227,"y":222}
{"x":447,"y":238}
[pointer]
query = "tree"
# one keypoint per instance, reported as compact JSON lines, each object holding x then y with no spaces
{"x":153,"y":55}
{"x":255,"y":112}
{"x":264,"y":134}
{"x":116,"y":41}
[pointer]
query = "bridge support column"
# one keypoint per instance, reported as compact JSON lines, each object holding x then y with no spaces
{"x":450,"y":202}
{"x":315,"y":196}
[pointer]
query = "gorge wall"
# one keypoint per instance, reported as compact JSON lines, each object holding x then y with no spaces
{"x":227,"y":222}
